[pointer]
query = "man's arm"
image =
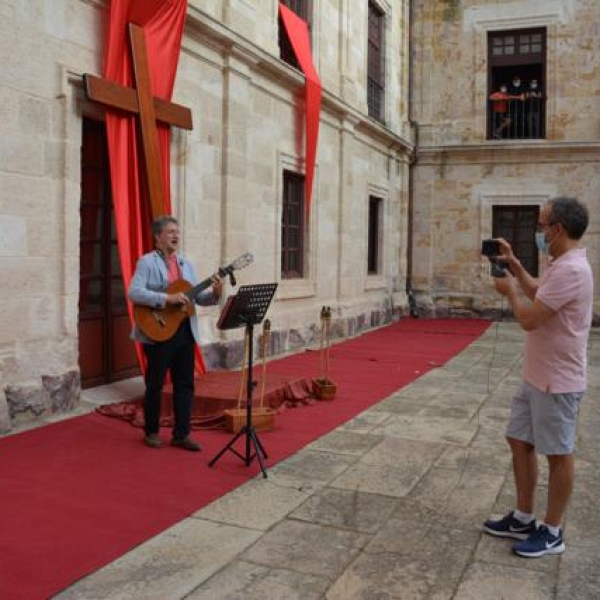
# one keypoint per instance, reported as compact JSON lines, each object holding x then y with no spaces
{"x":528,"y":283}
{"x":138,"y":291}
{"x":530,"y":315}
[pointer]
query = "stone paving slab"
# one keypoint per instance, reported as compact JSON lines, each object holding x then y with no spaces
{"x":500,"y":582}
{"x":347,"y":509}
{"x":246,"y":581}
{"x":169,"y":565}
{"x":255,"y":505}
{"x":307,"y":548}
{"x":392,"y":468}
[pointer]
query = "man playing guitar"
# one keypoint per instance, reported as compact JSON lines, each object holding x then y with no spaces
{"x":154,"y":273}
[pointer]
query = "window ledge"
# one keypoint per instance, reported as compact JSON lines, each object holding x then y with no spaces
{"x":291,"y":289}
{"x":375,"y":282}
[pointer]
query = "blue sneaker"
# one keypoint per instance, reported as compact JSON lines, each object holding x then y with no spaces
{"x":510,"y":527}
{"x":540,"y":543}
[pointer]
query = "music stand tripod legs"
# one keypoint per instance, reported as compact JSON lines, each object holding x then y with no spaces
{"x":248,"y":429}
{"x":247,"y":307}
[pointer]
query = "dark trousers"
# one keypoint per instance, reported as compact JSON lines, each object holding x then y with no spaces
{"x":177,"y":356}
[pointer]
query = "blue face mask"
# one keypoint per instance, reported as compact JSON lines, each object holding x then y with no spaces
{"x":541,"y":242}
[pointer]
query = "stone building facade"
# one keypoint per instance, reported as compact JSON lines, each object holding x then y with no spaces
{"x":468,"y":183}
{"x":227,"y":176}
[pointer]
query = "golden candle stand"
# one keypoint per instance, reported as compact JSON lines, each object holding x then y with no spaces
{"x":323,"y":387}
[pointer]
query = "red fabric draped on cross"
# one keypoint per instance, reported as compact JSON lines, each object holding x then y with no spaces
{"x":162,"y":22}
{"x":297,"y":30}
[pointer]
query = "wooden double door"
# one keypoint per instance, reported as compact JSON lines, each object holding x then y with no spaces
{"x":106,"y":353}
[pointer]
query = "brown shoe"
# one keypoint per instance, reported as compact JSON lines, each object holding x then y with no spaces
{"x":152,"y":440}
{"x":187,"y":443}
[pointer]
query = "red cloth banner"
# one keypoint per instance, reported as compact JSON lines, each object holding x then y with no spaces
{"x":162,"y":22}
{"x":297,"y":30}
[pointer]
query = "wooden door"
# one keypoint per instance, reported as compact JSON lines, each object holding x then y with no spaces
{"x":106,"y":353}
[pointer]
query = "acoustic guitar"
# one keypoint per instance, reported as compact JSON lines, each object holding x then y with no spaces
{"x":160,"y":324}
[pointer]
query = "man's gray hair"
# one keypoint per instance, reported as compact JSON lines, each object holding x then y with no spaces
{"x":160,"y":223}
{"x":572,"y":214}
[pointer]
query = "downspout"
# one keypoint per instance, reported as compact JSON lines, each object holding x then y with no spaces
{"x":412,"y":303}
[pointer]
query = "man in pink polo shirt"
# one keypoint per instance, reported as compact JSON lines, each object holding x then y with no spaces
{"x":556,"y":316}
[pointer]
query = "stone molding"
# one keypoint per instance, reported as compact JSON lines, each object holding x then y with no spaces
{"x":204,"y":30}
{"x":494,"y":152}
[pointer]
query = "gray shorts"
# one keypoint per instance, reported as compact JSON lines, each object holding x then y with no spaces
{"x":546,"y":421}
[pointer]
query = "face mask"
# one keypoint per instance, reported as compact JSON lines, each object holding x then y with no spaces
{"x":517,"y":82}
{"x":503,"y":90}
{"x":533,"y":85}
{"x":541,"y":243}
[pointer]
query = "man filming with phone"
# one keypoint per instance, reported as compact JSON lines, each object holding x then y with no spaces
{"x":556,"y":316}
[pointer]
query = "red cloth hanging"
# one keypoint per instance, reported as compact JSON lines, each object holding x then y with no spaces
{"x":297,"y":31}
{"x":162,"y":22}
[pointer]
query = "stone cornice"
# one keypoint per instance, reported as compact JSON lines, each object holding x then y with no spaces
{"x":202,"y":28}
{"x":524,"y":151}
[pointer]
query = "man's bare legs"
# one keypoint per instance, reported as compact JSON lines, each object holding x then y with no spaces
{"x":560,"y":486}
{"x":525,"y":470}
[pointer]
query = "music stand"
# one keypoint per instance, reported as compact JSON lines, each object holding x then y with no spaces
{"x":248,"y":308}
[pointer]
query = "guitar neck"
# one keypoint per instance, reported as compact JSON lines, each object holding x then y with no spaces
{"x":205,"y":283}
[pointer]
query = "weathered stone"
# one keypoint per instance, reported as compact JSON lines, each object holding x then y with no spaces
{"x":497,"y":582}
{"x":307,"y":548}
{"x":63,"y":390}
{"x":169,"y":565}
{"x":346,"y":509}
{"x":26,"y":403}
{"x":245,"y":581}
{"x":258,"y":504}
{"x":5,"y":424}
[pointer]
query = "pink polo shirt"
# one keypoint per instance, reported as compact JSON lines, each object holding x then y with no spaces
{"x":555,"y":353}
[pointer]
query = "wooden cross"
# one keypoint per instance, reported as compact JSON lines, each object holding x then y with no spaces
{"x":139,"y":101}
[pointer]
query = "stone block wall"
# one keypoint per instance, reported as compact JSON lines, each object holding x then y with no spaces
{"x":459,"y":175}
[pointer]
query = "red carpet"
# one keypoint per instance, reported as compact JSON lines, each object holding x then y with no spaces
{"x":77,"y":494}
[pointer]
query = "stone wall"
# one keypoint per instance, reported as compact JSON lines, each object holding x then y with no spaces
{"x":459,"y":175}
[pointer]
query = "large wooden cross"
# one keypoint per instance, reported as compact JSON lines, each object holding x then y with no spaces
{"x":149,"y":109}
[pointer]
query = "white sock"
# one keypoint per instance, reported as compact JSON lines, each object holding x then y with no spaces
{"x":523,"y":516}
{"x":552,"y":529}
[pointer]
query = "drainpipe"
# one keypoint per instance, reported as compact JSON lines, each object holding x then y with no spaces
{"x":412,"y":303}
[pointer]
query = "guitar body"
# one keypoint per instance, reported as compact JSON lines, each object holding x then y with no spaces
{"x":160,"y":324}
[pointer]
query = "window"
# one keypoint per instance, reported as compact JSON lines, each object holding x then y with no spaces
{"x":373,"y":243}
{"x":517,"y":225}
{"x":516,"y":94}
{"x":375,"y":63}
{"x":286,"y":52}
{"x":292,"y":226}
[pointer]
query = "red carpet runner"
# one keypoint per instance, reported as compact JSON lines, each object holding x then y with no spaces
{"x":77,"y":494}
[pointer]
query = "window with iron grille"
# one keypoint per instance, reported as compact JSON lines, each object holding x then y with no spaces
{"x":517,"y":225}
{"x":286,"y":52}
{"x":517,"y":55}
{"x":375,"y":63}
{"x":374,"y":232}
{"x":292,"y":226}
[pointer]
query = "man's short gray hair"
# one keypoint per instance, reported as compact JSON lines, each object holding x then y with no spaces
{"x":160,"y":223}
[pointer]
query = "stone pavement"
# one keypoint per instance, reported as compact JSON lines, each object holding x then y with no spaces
{"x":388,"y":505}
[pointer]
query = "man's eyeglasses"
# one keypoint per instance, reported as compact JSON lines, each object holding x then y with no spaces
{"x":542,"y":226}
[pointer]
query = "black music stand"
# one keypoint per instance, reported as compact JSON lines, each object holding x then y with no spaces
{"x":247,"y":307}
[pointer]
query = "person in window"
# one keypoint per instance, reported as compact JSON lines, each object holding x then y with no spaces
{"x":533,"y":105}
{"x":154,"y":273}
{"x":516,"y":107}
{"x":501,"y":119}
{"x":556,"y":314}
